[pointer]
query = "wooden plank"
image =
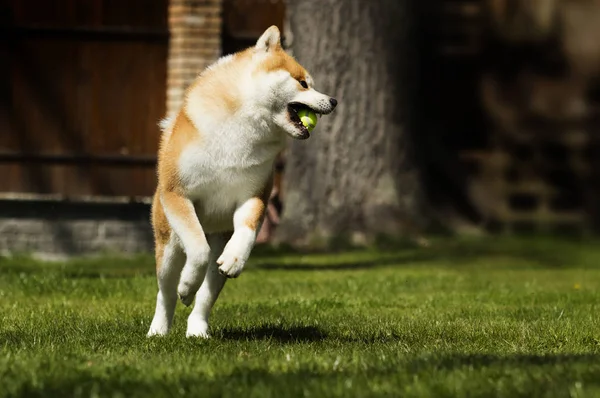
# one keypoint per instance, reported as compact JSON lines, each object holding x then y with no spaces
{"x":78,"y":158}
{"x":85,"y":33}
{"x":85,"y":88}
{"x":77,"y":180}
{"x":77,"y":13}
{"x":135,"y":13}
{"x":126,"y":101}
{"x":42,"y":97}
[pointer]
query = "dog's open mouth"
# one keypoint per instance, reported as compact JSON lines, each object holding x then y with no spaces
{"x":293,"y":109}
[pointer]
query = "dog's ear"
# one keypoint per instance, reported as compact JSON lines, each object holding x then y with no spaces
{"x":270,"y":40}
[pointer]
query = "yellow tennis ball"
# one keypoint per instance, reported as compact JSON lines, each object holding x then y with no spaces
{"x":308,"y":118}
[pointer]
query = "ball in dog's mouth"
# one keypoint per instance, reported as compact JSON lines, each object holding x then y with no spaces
{"x":293,"y":110}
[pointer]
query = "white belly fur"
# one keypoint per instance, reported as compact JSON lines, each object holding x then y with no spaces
{"x":217,"y":185}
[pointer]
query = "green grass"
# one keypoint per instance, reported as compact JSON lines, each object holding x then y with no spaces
{"x":495,"y":317}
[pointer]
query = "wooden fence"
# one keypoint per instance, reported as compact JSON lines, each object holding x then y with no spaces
{"x":83,"y":88}
{"x":84,"y":85}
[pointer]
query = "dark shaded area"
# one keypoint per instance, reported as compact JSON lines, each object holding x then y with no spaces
{"x":102,"y":267}
{"x":543,"y":251}
{"x":78,"y":159}
{"x":283,"y":335}
{"x":454,"y":115}
{"x":488,"y":360}
{"x":445,"y":111}
{"x":441,"y":256}
{"x":127,"y":381}
{"x":74,"y":210}
{"x":86,"y":33}
{"x":112,"y":274}
{"x":343,"y":266}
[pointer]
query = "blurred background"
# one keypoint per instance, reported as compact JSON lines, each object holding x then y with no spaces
{"x":468,"y":116}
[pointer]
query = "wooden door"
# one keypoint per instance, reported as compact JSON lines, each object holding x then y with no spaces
{"x":82,"y":90}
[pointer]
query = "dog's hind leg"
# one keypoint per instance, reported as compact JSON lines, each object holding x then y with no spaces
{"x":181,"y":214}
{"x":170,"y":259}
{"x":209,"y":290}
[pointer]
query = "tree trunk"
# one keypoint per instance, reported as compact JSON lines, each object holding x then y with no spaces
{"x":356,"y":175}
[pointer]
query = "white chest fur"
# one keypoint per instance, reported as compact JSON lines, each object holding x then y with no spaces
{"x":219,"y":174}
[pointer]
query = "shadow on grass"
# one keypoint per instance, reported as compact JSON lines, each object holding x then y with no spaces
{"x":284,"y":335}
{"x":538,"y":254}
{"x":523,"y":252}
{"x":110,"y":274}
{"x":109,"y":267}
{"x":511,"y":361}
{"x":338,"y":266}
{"x":128,"y":380}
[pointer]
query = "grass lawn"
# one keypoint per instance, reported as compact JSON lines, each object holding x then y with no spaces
{"x":494,"y":317}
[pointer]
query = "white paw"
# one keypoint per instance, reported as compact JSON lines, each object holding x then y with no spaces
{"x":197,"y":327}
{"x":236,"y":252}
{"x":231,"y":264}
{"x":192,"y":276}
{"x":157,"y":329}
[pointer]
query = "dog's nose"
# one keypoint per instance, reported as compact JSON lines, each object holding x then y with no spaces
{"x":333,"y":102}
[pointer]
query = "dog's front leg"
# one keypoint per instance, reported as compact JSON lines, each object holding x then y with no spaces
{"x":182,"y":217}
{"x":247,"y":220}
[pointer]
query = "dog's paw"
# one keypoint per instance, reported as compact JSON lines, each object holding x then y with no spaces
{"x":236,"y":252}
{"x":197,"y":327}
{"x":158,"y":330}
{"x":192,"y":276}
{"x":231,"y":263}
{"x":186,"y":290}
{"x":185,"y":295}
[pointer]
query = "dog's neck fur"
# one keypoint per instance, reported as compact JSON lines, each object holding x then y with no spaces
{"x":236,"y":124}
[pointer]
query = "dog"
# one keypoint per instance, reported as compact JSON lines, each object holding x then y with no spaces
{"x":215,"y":171}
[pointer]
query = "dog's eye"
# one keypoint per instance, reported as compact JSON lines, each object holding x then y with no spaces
{"x":303,"y":84}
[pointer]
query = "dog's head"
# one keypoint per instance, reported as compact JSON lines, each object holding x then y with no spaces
{"x":285,"y":86}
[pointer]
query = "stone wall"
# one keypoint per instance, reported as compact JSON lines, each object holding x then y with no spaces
{"x":54,"y":229}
